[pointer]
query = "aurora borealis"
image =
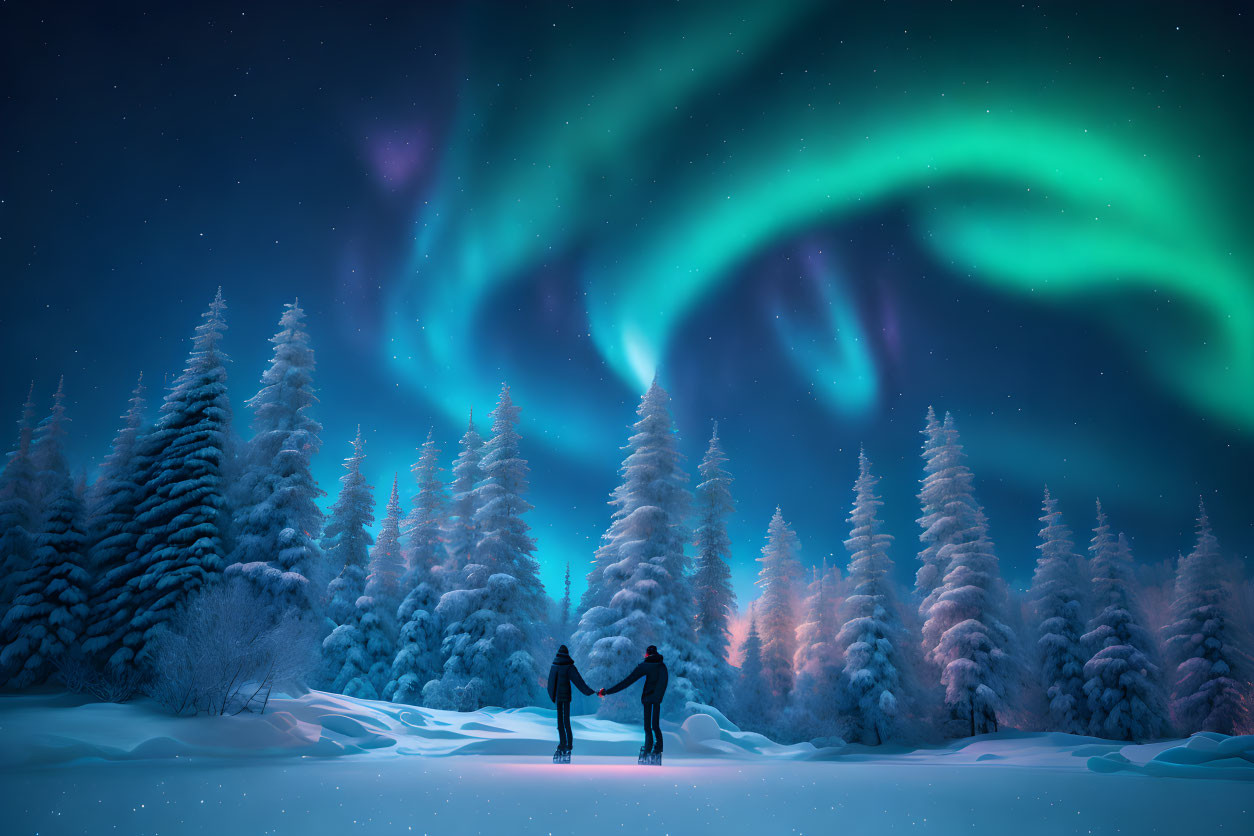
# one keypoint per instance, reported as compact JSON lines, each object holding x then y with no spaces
{"x":810,"y":220}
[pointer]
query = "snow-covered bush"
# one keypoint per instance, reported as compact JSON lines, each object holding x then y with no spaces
{"x":226,"y":652}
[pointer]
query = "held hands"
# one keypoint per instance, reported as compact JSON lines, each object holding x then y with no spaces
{"x":601,"y":693}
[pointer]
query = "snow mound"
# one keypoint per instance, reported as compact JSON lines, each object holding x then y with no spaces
{"x":1204,"y":755}
{"x":323,"y":725}
{"x":49,"y":730}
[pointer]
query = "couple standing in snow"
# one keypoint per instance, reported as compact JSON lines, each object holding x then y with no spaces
{"x":563,"y":674}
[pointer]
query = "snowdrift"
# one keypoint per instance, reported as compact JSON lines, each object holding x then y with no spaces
{"x":45,"y":731}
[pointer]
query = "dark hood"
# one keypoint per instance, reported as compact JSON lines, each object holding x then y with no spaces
{"x":563,"y":658}
{"x":653,"y":657}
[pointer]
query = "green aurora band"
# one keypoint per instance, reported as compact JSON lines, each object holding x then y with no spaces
{"x":661,"y":161}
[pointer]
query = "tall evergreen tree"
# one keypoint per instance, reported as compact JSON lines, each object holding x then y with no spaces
{"x":346,"y":541}
{"x":1122,"y":681}
{"x":387,"y":559}
{"x":357,"y":656}
{"x":1212,"y":672}
{"x":181,"y":514}
{"x":715,"y":599}
{"x":874,"y":696}
{"x":462,"y":535}
{"x":639,"y":587}
{"x":938,"y":478}
{"x":493,"y":610}
{"x":425,"y":526}
{"x":19,"y":510}
{"x":49,"y":607}
{"x":277,"y":519}
{"x":110,"y":534}
{"x":753,"y":696}
{"x":779,"y":607}
{"x":1057,"y":605}
{"x":818,"y":663}
{"x":965,"y":635}
{"x":564,"y":606}
{"x":418,"y":657}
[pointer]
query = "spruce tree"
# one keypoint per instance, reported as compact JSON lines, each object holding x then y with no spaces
{"x":387,"y":559}
{"x":49,"y":609}
{"x":1212,"y":684}
{"x":1122,"y":680}
{"x":462,"y":535}
{"x":425,"y":525}
{"x":715,"y":599}
{"x":814,"y":712}
{"x":494,"y":607}
{"x":938,"y":477}
{"x":640,"y":577}
{"x":277,"y":520}
{"x":1057,"y":606}
{"x":346,"y":540}
{"x":965,"y":635}
{"x":19,"y":511}
{"x":110,"y":533}
{"x":779,"y":608}
{"x":564,"y":606}
{"x":181,"y":515}
{"x":873,"y":693}
{"x":357,"y":656}
{"x":753,"y":697}
{"x":418,"y":657}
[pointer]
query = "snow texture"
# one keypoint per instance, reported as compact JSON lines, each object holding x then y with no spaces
{"x":324,"y":763}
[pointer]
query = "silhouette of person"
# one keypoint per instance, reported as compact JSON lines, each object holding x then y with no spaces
{"x":653,"y":671}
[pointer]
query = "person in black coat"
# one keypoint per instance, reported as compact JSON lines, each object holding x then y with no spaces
{"x":653,"y":671}
{"x":563,"y":674}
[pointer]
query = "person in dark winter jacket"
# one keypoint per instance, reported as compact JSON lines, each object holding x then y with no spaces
{"x":563,"y":674}
{"x":653,"y":671}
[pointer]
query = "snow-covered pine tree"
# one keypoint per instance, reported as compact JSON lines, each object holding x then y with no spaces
{"x":965,"y":635}
{"x":494,"y":609}
{"x":1122,"y":681}
{"x":424,"y":527}
{"x":419,"y":653}
{"x":183,"y":508}
{"x":874,"y":693}
{"x":462,"y":536}
{"x":1057,"y":598}
{"x":639,"y":581}
{"x":357,"y":656}
{"x":346,"y":540}
{"x":49,"y":609}
{"x":19,"y":510}
{"x":778,"y":610}
{"x":752,"y":697}
{"x":110,"y":534}
{"x":936,"y":483}
{"x":277,"y":519}
{"x":387,"y":558}
{"x":418,"y":657}
{"x":1212,"y":672}
{"x":711,"y":583}
{"x":814,"y":712}
{"x":564,"y":606}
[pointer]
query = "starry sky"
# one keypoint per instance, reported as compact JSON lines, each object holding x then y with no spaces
{"x":810,"y":220}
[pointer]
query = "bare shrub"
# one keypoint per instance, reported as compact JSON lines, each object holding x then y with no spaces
{"x":80,"y":676}
{"x":227,"y":651}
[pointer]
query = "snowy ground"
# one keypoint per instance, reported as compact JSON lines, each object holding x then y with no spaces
{"x":329,"y":764}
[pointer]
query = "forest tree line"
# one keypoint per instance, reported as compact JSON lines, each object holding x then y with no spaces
{"x":198,"y":568}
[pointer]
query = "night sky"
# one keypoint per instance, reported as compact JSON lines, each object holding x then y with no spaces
{"x":809,"y":219}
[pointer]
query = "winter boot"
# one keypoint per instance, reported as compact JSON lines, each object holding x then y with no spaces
{"x":643,"y":759}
